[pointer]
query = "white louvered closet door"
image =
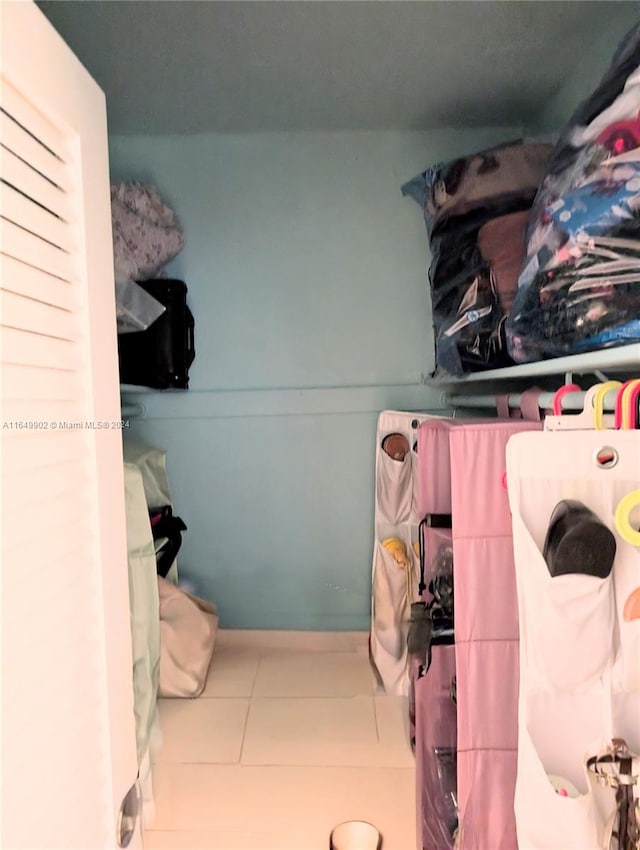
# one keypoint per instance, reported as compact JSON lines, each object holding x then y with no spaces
{"x":68,"y":739}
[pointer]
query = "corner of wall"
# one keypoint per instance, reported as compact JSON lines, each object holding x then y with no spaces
{"x":588,"y":70}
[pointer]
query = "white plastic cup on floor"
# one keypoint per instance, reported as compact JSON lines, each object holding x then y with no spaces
{"x":355,"y":835}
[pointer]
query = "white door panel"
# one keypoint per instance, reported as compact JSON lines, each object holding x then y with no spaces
{"x":68,"y":738}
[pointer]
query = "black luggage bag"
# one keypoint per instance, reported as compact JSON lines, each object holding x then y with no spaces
{"x":160,"y":357}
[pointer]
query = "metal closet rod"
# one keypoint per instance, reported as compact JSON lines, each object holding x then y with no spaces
{"x":131,"y":411}
{"x":570,"y":401}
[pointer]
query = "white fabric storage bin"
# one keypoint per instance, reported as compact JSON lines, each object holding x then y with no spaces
{"x":579,"y":660}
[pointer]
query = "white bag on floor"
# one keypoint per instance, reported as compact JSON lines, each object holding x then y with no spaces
{"x":188,"y":627}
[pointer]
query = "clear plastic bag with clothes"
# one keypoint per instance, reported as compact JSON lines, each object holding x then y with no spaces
{"x":458,"y":199}
{"x":579,"y":287}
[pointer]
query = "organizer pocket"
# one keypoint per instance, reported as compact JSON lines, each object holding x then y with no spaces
{"x":438,"y":554}
{"x":626,"y":579}
{"x":393,"y":581}
{"x":394,"y":486}
{"x":570,"y":631}
{"x":416,"y":496}
{"x":556,"y":738}
{"x":436,"y":751}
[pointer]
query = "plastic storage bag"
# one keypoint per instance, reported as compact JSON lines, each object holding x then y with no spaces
{"x":458,"y":199}
{"x":579,"y":288}
{"x":135,"y":308}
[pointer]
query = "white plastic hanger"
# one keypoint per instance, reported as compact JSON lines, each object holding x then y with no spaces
{"x":589,"y":418}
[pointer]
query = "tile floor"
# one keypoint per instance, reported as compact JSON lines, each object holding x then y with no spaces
{"x":291,"y":736}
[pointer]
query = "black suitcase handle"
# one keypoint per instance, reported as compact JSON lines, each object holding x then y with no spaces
{"x":191,"y":346}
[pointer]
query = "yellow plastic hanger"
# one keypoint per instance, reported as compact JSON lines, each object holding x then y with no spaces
{"x":598,"y":403}
{"x":623,"y":511}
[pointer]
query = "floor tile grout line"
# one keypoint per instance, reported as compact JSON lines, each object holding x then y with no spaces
{"x":309,"y":696}
{"x":288,"y":765}
{"x":244,"y":732}
{"x":375,"y":718}
{"x":246,"y":720}
{"x":252,"y":692}
{"x":298,"y":765}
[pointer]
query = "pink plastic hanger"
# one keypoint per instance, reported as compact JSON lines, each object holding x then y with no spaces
{"x":632,"y":399}
{"x":624,"y":406}
{"x":619,"y":401}
{"x":560,"y":394}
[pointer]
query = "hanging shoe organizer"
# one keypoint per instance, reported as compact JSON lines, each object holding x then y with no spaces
{"x":579,"y":643}
{"x":461,"y":466}
{"x":395,"y":570}
{"x":432,"y":696}
{"x":486,"y":633}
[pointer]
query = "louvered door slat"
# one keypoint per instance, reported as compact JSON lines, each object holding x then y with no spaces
{"x":23,"y":245}
{"x":33,"y":449}
{"x":19,"y":606}
{"x":62,"y":614}
{"x":47,"y":484}
{"x":61,"y":548}
{"x":40,"y":500}
{"x":32,"y":119}
{"x":38,"y":318}
{"x":33,"y":349}
{"x":53,"y":721}
{"x":17,"y":139}
{"x":38,"y":410}
{"x":19,"y":174}
{"x":27,"y":382}
{"x":24,"y":279}
{"x":50,"y":686}
{"x":30,"y":648}
{"x":23,"y":211}
{"x":22,"y":527}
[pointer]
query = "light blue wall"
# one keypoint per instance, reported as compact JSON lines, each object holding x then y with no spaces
{"x":307,"y":275}
{"x":588,"y":68}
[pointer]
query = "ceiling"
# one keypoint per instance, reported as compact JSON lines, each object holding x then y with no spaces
{"x":186,"y":67}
